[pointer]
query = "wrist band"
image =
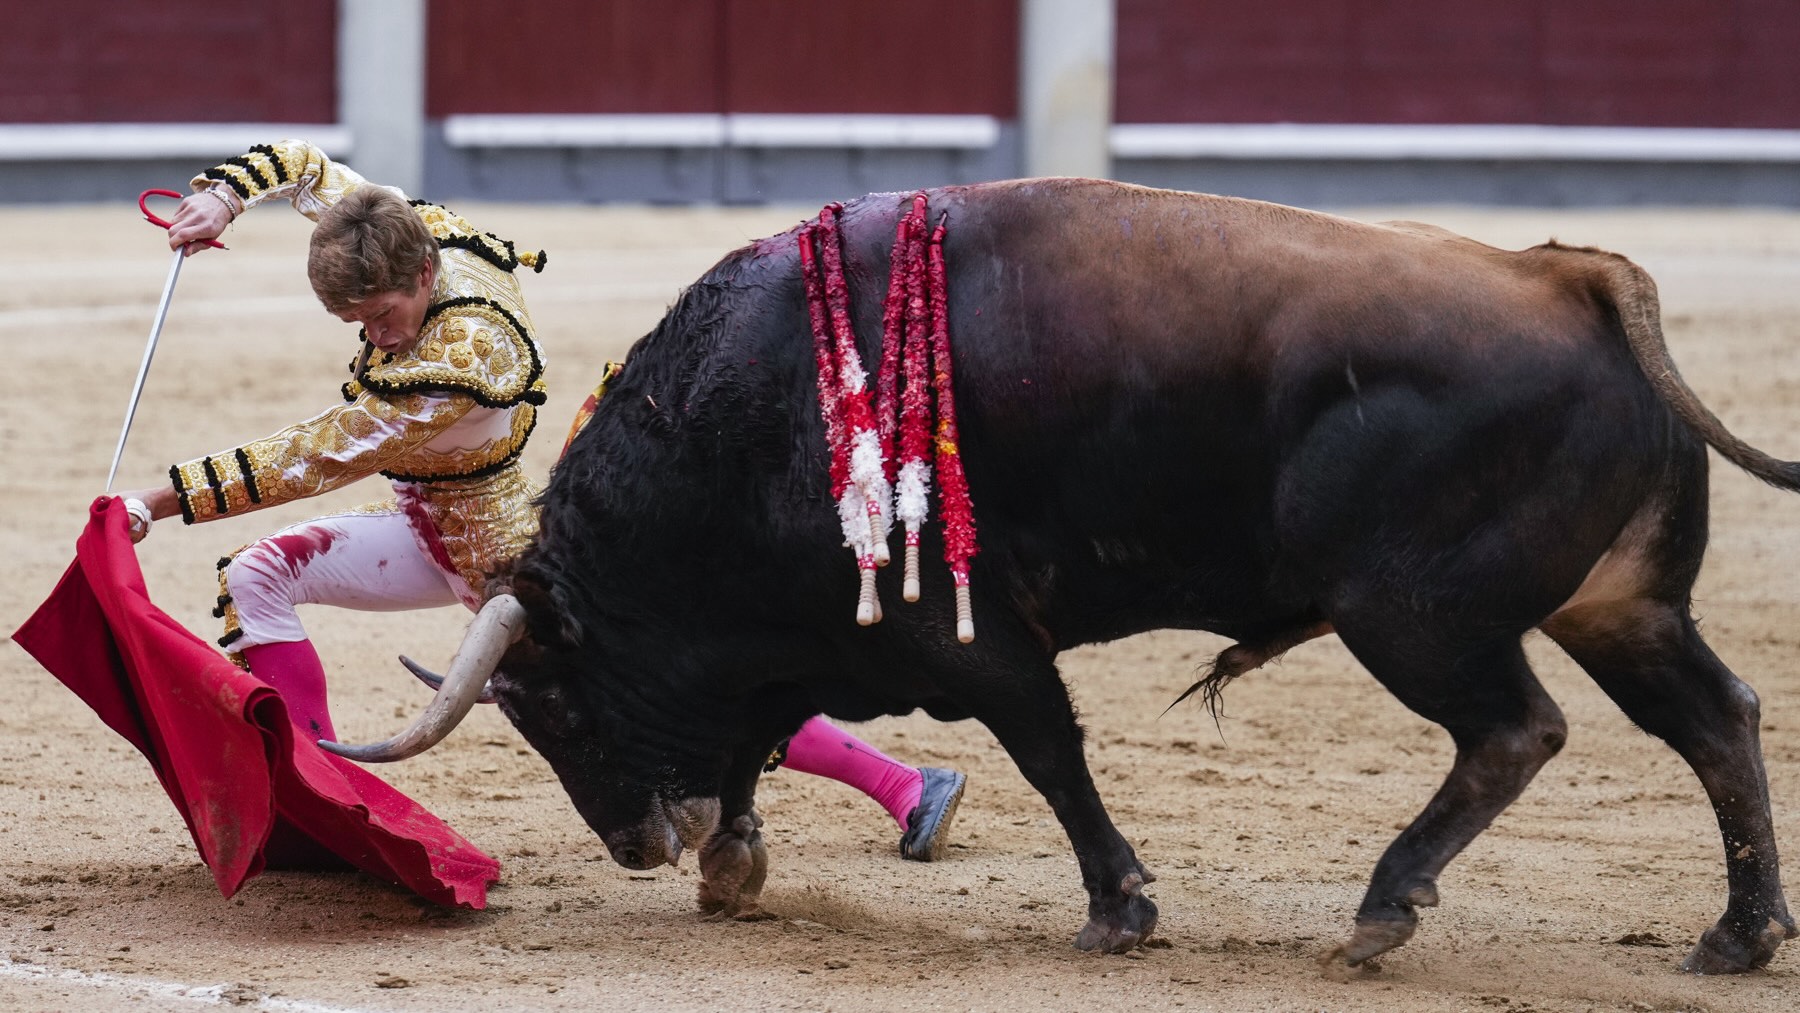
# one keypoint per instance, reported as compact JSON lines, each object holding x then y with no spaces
{"x":139,"y":514}
{"x":230,"y":208}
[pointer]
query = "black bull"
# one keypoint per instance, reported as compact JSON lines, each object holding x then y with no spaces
{"x":1177,"y":411}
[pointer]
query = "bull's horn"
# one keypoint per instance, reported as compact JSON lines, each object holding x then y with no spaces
{"x":436,"y":681}
{"x":500,"y":623}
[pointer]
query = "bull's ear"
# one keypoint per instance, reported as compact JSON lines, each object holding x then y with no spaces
{"x":545,"y":613}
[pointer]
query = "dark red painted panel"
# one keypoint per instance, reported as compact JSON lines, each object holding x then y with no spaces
{"x":1765,"y":80}
{"x":870,"y":56}
{"x":168,"y":61}
{"x":1652,"y":64}
{"x":1718,"y":63}
{"x":798,"y":56}
{"x":1631,"y":62}
{"x":572,"y":56}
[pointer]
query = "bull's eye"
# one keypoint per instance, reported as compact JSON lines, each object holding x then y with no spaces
{"x":561,"y":717}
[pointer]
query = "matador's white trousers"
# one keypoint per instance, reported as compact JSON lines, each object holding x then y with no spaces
{"x":367,"y":559}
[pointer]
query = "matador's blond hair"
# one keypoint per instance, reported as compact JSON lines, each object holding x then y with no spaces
{"x":369,"y":242}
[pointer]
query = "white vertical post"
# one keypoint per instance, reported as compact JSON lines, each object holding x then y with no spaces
{"x":381,"y":89}
{"x":1066,"y":86}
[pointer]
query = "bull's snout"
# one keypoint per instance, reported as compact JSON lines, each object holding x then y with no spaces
{"x":647,"y":845}
{"x":662,"y":835}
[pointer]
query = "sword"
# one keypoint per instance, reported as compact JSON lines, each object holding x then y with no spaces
{"x":162,"y":312}
{"x":137,"y":389}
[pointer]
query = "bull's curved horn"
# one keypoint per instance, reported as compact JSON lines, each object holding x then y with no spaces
{"x":500,"y":623}
{"x":436,"y":681}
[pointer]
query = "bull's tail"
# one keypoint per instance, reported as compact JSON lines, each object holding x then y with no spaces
{"x":1633,"y":295}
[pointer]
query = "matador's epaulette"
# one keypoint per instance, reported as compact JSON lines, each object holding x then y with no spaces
{"x":453,"y":232}
{"x":468,"y":345}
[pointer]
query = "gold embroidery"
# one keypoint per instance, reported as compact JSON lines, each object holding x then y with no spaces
{"x":287,"y":169}
{"x":237,"y":493}
{"x":452,"y":231}
{"x":483,"y":523}
{"x":341,"y":445}
{"x":196,"y":491}
{"x":437,"y":465}
{"x":445,"y":357}
{"x":227,"y":611}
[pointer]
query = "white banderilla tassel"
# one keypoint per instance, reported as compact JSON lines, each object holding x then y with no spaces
{"x":867,"y":475}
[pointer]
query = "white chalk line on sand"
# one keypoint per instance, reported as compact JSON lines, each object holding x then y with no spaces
{"x":210,"y":995}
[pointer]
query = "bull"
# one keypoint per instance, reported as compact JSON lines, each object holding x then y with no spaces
{"x":1178,"y":410}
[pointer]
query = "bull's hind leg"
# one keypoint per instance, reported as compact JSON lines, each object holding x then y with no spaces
{"x":1648,"y":656}
{"x":1505,"y":728}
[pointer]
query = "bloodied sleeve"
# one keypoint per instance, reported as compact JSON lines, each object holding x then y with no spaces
{"x":337,"y":447}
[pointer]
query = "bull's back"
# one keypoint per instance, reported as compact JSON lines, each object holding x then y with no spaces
{"x":1143,"y":374}
{"x":1079,"y":304}
{"x":1185,"y":282}
{"x":1137,"y":373}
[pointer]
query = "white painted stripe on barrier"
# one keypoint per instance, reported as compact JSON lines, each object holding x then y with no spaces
{"x":51,"y":142}
{"x":209,"y":995}
{"x":1502,"y":142}
{"x":679,"y":130}
{"x":709,"y":130}
{"x":758,"y":130}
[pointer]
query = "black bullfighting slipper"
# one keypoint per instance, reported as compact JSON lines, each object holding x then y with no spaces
{"x":928,"y":825}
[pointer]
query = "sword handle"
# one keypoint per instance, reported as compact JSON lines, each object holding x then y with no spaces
{"x":152,"y":219}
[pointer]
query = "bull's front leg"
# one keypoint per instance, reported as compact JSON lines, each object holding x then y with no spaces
{"x":1030,"y":713}
{"x":734,"y":862}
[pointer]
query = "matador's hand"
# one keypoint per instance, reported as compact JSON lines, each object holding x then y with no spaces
{"x":140,"y":519}
{"x":202,"y":216}
{"x":146,"y":505}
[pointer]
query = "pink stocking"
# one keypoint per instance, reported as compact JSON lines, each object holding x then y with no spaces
{"x":296,"y":673}
{"x":827,"y":750}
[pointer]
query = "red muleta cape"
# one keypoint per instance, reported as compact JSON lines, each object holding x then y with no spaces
{"x":253,"y":794}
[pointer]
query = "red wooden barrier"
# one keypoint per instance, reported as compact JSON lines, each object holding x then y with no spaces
{"x":168,"y":61}
{"x":1654,"y":63}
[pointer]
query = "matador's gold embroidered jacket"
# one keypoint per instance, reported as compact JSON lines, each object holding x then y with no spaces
{"x":445,"y":420}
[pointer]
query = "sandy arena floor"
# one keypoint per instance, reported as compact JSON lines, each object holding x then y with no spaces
{"x":1263,"y":830}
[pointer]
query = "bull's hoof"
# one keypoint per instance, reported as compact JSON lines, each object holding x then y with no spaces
{"x":749,"y":911}
{"x":1373,"y":937}
{"x":733,"y":866}
{"x":1125,"y":922}
{"x":1719,"y":951}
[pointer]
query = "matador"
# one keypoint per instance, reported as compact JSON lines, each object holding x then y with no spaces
{"x":441,"y":399}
